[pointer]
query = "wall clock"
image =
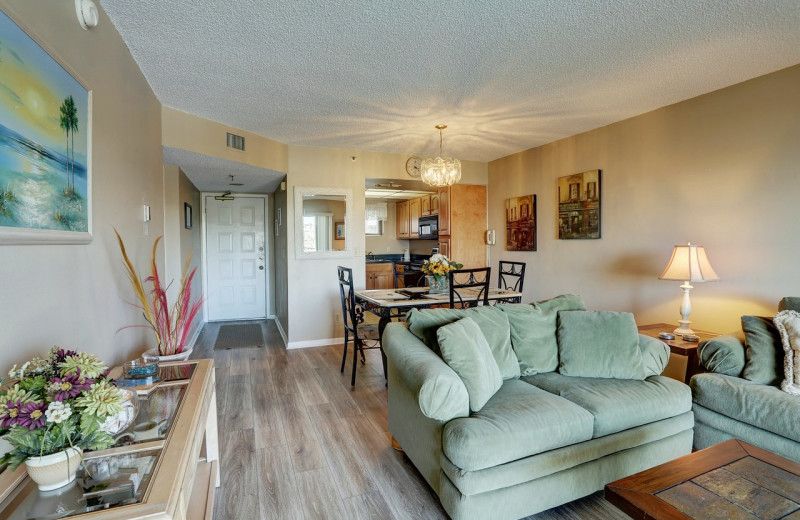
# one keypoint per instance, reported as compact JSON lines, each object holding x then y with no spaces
{"x":413,"y":167}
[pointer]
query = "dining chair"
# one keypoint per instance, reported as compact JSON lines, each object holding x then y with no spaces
{"x":468,"y":283}
{"x":511,"y":277}
{"x":407,"y":276}
{"x":364,"y":337}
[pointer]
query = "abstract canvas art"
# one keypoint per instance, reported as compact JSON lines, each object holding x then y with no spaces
{"x":521,"y":223}
{"x":45,"y":177}
{"x":579,"y":205}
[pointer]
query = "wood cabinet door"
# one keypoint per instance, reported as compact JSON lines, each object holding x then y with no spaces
{"x":414,"y":208}
{"x":444,"y":211}
{"x":434,"y":204}
{"x":384,"y":280}
{"x":444,"y":246}
{"x":402,"y":219}
{"x":425,"y":205}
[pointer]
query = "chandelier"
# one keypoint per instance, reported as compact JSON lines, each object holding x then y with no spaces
{"x":440,"y":171}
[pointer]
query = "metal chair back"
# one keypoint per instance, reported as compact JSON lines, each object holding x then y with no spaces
{"x":468,"y":283}
{"x":511,"y":275}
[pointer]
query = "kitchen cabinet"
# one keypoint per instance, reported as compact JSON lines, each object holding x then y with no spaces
{"x":425,"y":205}
{"x":414,"y":212}
{"x":434,"y":204}
{"x":403,"y":228}
{"x":380,"y":275}
{"x":462,"y":223}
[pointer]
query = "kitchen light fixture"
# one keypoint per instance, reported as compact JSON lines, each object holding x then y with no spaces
{"x":440,"y":171}
{"x":688,"y":264}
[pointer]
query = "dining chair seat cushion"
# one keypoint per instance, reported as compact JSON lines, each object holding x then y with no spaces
{"x":600,"y":344}
{"x":533,"y":331}
{"x":493,"y":323}
{"x":466,"y":351}
{"x":368,"y":331}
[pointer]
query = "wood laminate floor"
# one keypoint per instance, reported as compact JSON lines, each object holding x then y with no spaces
{"x":297,"y":442}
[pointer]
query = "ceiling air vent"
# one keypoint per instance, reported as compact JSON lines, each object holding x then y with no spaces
{"x":235,"y":141}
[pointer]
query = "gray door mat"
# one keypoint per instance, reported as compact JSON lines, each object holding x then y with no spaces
{"x":239,"y":336}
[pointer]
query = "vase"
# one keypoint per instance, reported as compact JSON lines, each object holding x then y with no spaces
{"x":439,"y":285}
{"x":182,"y":356}
{"x":54,"y":471}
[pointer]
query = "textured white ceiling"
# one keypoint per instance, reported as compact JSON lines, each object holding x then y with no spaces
{"x":213,"y":174}
{"x":505,"y":75}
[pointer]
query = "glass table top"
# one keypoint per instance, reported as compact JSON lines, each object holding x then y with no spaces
{"x":156,"y":414}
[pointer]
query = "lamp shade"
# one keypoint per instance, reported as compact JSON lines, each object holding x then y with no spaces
{"x":689,"y":263}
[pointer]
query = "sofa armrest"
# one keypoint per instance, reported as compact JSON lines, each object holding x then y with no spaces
{"x":723,"y":354}
{"x":439,"y":392}
{"x":655,"y":355}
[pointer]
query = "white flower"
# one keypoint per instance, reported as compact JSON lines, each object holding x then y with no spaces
{"x":58,"y":412}
{"x":13,"y":372}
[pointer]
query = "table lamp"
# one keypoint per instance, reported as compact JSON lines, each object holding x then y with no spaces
{"x":689,"y":263}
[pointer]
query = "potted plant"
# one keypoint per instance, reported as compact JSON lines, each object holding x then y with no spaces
{"x":53,"y":408}
{"x":436,"y":269}
{"x":171,"y":324}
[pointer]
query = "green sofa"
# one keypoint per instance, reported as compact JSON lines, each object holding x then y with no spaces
{"x":739,"y":395}
{"x":544,"y":438}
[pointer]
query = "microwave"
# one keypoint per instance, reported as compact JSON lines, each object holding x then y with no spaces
{"x":429,"y":227}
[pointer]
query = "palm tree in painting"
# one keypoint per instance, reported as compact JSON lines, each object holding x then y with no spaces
{"x":72,"y":113}
{"x":64,"y":123}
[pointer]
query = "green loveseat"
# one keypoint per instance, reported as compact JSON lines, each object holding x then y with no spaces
{"x":544,"y":438}
{"x":739,"y":397}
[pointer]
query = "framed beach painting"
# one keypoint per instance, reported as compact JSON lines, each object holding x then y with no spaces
{"x":45,"y":145}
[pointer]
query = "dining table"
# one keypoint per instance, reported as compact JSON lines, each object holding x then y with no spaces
{"x":389,"y":304}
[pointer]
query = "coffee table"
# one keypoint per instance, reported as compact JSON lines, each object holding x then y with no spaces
{"x":732,"y":480}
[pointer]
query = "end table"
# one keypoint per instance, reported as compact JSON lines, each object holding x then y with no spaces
{"x":679,"y":346}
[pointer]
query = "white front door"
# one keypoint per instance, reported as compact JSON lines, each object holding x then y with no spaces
{"x":236,"y":258}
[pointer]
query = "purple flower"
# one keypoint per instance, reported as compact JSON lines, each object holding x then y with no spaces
{"x":61,"y":354}
{"x":69,"y":386}
{"x":31,"y":415}
{"x":10,"y":414}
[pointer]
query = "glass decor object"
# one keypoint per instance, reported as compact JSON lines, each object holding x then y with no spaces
{"x":440,"y":171}
{"x":440,"y":285}
{"x":140,"y":369}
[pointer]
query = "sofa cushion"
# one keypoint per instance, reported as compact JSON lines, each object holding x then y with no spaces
{"x":518,"y":421}
{"x":599,"y":344}
{"x":424,"y":323}
{"x":764,"y":353}
{"x":465,"y":350}
{"x":533,"y":331}
{"x":789,"y":303}
{"x":655,"y":355}
{"x":762,"y":406}
{"x":723,"y":354}
{"x":788,"y":324}
{"x":618,"y":404}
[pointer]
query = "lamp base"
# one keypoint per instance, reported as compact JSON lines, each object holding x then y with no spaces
{"x":683,"y":329}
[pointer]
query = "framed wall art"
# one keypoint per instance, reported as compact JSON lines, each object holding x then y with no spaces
{"x":579,"y":206}
{"x":521,"y":223}
{"x":45,"y":145}
{"x":338,"y":231}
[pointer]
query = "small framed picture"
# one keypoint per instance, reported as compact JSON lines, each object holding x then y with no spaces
{"x":338,"y":228}
{"x":187,"y":215}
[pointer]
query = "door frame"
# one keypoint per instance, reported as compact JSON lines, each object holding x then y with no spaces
{"x":268,"y":242}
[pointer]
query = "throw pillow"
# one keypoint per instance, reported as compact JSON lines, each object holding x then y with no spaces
{"x":723,"y":355}
{"x":788,"y":324}
{"x":789,"y":303}
{"x":466,"y":351}
{"x":424,"y":324}
{"x":599,"y":344}
{"x":533,"y":331}
{"x":764,"y":351}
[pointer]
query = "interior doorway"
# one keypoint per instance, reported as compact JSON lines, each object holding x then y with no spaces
{"x":236,"y":257}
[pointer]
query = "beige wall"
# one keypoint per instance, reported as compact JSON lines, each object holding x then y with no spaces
{"x":314,"y":308}
{"x":195,"y":134}
{"x":720,"y":170}
{"x":75,"y":296}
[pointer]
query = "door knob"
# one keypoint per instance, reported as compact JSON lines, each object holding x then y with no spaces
{"x":261,"y":267}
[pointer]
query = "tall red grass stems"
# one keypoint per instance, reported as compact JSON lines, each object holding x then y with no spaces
{"x":171,"y":324}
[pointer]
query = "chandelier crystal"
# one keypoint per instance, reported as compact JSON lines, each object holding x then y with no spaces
{"x":440,"y":171}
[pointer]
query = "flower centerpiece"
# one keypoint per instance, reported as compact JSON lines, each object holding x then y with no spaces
{"x":171,"y":324}
{"x":57,"y":406}
{"x":436,"y":268}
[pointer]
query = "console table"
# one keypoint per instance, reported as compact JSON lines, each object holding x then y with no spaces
{"x":163,"y":467}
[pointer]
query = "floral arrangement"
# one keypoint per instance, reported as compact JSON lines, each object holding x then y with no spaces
{"x":54,"y":403}
{"x":171,"y":324}
{"x":438,"y":266}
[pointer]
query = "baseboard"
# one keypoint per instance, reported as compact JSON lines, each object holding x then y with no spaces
{"x":195,"y":334}
{"x":281,"y":331}
{"x":315,"y":343}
